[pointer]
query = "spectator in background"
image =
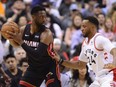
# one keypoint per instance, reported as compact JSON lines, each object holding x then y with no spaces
{"x":88,"y":8}
{"x":19,"y":53}
{"x":58,"y":47}
{"x":54,"y":16}
{"x":51,"y":10}
{"x":4,"y":75}
{"x":80,"y":78}
{"x":23,"y":65}
{"x":67,"y":19}
{"x":73,"y":35}
{"x":64,"y":8}
{"x":112,"y":15}
{"x":101,"y":18}
{"x":28,"y":4}
{"x":98,"y":9}
{"x":22,"y":21}
{"x":38,"y":2}
{"x":12,"y":70}
{"x":16,"y":11}
{"x":2,"y":14}
{"x":54,"y":27}
{"x":77,"y":36}
{"x":108,"y":29}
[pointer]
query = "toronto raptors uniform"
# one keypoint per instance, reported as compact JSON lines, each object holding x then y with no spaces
{"x":96,"y":52}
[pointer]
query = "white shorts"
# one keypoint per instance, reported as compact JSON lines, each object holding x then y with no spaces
{"x":103,"y":79}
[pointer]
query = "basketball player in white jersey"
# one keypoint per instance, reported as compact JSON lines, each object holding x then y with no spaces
{"x":95,"y":49}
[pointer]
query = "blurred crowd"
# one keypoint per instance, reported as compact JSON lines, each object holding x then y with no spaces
{"x":64,"y":18}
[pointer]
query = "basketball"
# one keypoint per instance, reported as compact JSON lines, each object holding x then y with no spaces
{"x":8,"y":27}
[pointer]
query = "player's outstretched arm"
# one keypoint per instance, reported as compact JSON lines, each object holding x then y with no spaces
{"x":70,"y":64}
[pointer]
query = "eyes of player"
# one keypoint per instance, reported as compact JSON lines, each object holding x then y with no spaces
{"x":41,"y":14}
{"x":83,"y":26}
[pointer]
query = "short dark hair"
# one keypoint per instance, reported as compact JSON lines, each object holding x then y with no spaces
{"x":9,"y":56}
{"x":23,"y":60}
{"x":93,"y":20}
{"x":100,"y":14}
{"x":37,"y":8}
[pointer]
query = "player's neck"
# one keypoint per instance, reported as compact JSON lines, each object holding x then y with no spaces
{"x":34,"y":28}
{"x":91,"y":36}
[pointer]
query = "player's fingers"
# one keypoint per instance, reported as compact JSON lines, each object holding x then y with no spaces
{"x":11,"y":33}
{"x":13,"y":24}
{"x":109,"y":66}
{"x":15,"y":29}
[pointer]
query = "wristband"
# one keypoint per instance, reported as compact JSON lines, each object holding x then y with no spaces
{"x":60,"y":61}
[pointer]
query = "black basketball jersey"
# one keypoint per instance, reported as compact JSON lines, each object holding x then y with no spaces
{"x":33,"y":40}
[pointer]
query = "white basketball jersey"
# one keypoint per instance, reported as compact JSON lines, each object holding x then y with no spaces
{"x":95,"y":55}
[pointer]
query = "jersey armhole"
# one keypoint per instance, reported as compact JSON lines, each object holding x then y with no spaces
{"x":95,"y":44}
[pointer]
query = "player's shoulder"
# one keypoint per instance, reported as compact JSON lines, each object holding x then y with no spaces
{"x":46,"y":36}
{"x":47,"y":31}
{"x":100,"y":36}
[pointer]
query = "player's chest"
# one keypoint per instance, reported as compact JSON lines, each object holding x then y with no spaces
{"x":90,"y":49}
{"x":32,"y":40}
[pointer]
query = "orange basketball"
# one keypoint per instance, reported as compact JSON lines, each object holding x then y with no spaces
{"x":8,"y":27}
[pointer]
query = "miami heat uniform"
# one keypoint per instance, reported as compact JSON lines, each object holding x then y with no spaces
{"x":41,"y":65}
{"x":96,"y":52}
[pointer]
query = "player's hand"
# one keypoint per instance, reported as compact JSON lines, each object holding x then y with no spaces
{"x":16,"y":36}
{"x":54,"y":55}
{"x":109,"y":66}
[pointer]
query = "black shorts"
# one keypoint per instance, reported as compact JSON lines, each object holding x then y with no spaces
{"x":53,"y":77}
{"x":32,"y":78}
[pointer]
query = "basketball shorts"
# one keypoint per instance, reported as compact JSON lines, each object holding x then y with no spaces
{"x":105,"y":78}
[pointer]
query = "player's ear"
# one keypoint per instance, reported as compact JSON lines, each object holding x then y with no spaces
{"x":33,"y":16}
{"x":92,"y":26}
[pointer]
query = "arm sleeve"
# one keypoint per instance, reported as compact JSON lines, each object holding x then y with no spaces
{"x":40,"y":51}
{"x":104,"y":43}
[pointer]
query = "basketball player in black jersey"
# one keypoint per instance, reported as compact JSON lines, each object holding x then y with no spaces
{"x":36,"y":40}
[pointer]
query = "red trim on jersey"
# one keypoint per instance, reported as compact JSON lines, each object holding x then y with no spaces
{"x":50,"y":50}
{"x":95,"y":45}
{"x":49,"y":81}
{"x":65,"y":55}
{"x":52,"y":53}
{"x":114,"y":74}
{"x":83,"y":42}
{"x":26,"y":84}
